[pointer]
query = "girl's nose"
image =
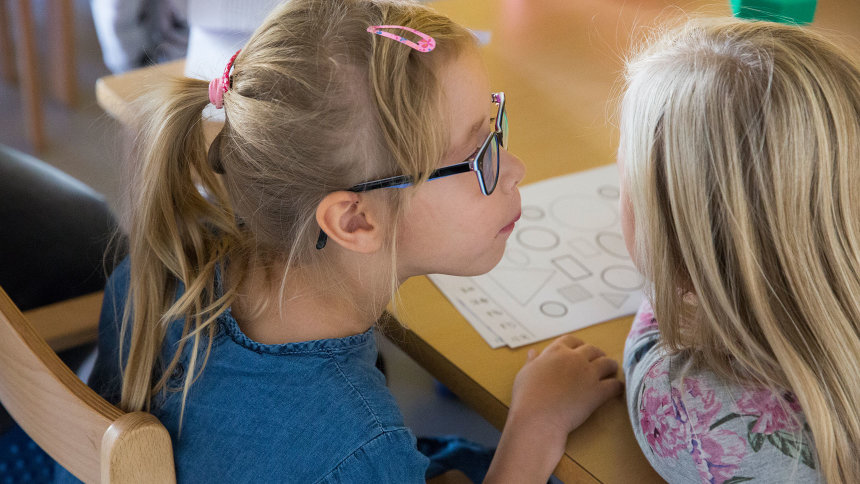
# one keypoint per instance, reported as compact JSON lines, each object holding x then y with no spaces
{"x":511,"y":172}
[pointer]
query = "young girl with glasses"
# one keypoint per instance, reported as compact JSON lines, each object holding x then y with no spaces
{"x":362,"y":146}
{"x":740,"y":162}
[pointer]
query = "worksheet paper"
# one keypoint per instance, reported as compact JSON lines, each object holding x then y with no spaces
{"x":565,"y":266}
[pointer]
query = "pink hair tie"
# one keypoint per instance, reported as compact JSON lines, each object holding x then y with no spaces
{"x":426,"y":44}
{"x":220,"y":85}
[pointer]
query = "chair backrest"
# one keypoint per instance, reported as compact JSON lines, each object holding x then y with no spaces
{"x":57,"y":233}
{"x":91,"y":438}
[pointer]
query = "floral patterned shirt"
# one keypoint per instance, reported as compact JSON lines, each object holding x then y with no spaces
{"x":694,"y":427}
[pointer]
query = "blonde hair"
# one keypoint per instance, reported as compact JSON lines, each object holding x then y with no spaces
{"x":316,"y":104}
{"x":740,"y":144}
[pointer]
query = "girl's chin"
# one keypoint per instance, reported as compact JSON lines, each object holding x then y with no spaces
{"x":477,"y":268}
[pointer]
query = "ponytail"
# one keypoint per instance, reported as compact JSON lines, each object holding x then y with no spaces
{"x":181,"y":228}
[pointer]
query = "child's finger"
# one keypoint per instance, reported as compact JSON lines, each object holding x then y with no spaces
{"x":591,"y":352}
{"x":570,"y":341}
{"x":609,"y":388}
{"x":531,"y":355}
{"x":605,"y":366}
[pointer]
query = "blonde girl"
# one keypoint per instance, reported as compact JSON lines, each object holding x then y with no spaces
{"x":243,"y":317}
{"x":740,"y":160}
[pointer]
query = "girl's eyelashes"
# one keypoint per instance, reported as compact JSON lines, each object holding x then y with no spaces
{"x":474,"y":153}
{"x":479,"y":140}
{"x":480,"y":136}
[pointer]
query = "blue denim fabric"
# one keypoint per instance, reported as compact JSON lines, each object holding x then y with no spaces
{"x":316,"y":411}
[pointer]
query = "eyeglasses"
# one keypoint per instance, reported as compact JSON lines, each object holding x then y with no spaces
{"x":485,"y":163}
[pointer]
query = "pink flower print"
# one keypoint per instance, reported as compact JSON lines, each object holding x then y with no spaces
{"x":664,"y":431}
{"x":699,"y":403}
{"x":659,"y":371}
{"x":775,"y":412}
{"x":717,"y":455}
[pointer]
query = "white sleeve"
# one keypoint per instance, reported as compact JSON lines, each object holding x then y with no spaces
{"x":122,"y":37}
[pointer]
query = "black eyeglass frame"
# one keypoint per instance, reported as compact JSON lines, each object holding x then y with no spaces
{"x":402,"y":181}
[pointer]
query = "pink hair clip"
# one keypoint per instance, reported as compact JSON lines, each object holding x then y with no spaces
{"x":426,"y":44}
{"x":219,"y":85}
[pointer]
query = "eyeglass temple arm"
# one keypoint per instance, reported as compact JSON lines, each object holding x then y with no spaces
{"x":402,"y":181}
{"x":399,"y":181}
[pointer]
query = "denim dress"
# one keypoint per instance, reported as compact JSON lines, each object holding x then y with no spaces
{"x":308,"y":412}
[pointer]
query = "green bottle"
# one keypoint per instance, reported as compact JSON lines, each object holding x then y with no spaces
{"x":796,"y":12}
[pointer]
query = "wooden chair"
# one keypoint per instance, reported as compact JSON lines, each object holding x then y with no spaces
{"x":60,"y":33}
{"x":94,"y":440}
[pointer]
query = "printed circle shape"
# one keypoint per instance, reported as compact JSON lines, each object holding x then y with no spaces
{"x":622,"y":278}
{"x":537,"y":238}
{"x":517,"y":257}
{"x":613,"y":244}
{"x":532,"y":212}
{"x":582,"y":212}
{"x":609,"y":191}
{"x":553,"y":309}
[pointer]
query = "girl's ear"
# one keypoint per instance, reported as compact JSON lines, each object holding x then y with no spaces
{"x":350,"y":220}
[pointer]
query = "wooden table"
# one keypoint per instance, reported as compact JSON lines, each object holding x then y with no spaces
{"x":116,"y":94}
{"x":559,"y":62}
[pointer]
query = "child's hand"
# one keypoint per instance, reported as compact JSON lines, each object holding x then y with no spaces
{"x":559,"y":388}
{"x":553,"y":394}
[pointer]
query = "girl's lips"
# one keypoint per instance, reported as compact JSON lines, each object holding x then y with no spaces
{"x":510,"y":227}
